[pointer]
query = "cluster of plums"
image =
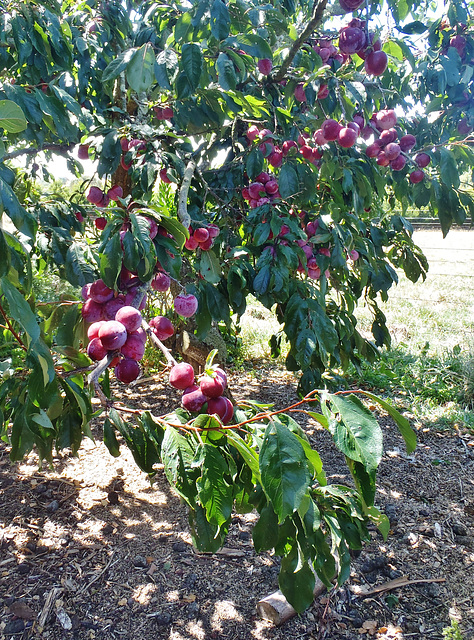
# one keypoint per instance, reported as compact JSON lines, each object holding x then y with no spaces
{"x":202,"y":237}
{"x":125,"y":335}
{"x":205,"y":396}
{"x":263,"y":190}
{"x":391,"y":150}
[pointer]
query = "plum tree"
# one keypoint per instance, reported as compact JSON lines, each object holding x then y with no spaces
{"x":264,"y":150}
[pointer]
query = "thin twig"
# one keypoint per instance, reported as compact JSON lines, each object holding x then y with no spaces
{"x":12,"y":330}
{"x":99,"y":575}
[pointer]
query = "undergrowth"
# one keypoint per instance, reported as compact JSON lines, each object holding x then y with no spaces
{"x":437,"y":388}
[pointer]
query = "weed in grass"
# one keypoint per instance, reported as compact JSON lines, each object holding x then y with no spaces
{"x":453,"y":632}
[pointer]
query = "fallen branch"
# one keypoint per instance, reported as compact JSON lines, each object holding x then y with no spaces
{"x":392,"y":584}
{"x":51,"y":598}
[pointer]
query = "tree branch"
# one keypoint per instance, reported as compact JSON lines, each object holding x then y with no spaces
{"x":183,"y":214}
{"x":316,"y":17}
{"x":157,"y":342}
{"x":62,"y":149}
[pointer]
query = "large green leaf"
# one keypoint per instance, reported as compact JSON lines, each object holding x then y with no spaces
{"x":206,"y":536}
{"x":356,"y":432}
{"x":5,"y":260}
{"x":110,"y":439}
{"x":20,"y":310}
{"x":265,"y":531}
{"x":402,"y":423}
{"x":220,"y":20}
{"x":284,"y":469}
{"x":226,"y":72}
{"x":214,"y":491}
{"x":288,"y":180}
{"x":449,"y":173}
{"x":254,"y":164}
{"x":177,"y":456}
{"x":246,"y":451}
{"x":141,"y":69}
{"x":117,"y":65}
{"x":210,"y":267}
{"x":191,"y":60}
{"x":21,"y":218}
{"x":296,"y":581}
{"x":12,"y":118}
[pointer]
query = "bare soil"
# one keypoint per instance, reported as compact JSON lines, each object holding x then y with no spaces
{"x":88,"y":549}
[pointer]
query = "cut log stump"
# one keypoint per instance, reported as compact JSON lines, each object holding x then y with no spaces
{"x":276,"y":607}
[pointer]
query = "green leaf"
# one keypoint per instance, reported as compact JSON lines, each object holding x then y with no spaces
{"x":323,"y":328}
{"x":254,"y":45}
{"x":210,"y":267}
{"x":70,"y":430}
{"x":110,"y":154}
{"x":78,"y":271}
{"x":356,"y":432}
{"x":288,"y":181}
{"x":380,"y":519}
{"x":4,"y":255}
{"x":265,"y":532}
{"x":254,"y":164}
{"x":248,"y":454}
{"x":413,"y":27}
{"x":284,"y":469}
{"x":111,"y":261}
{"x":166,"y":68}
{"x":402,"y":423}
{"x":177,"y":456}
{"x":12,"y":118}
{"x":20,"y":310}
{"x":21,"y":218}
{"x":67,"y":101}
{"x":296,"y":582}
{"x":356,"y":92}
{"x":110,"y":439}
{"x":206,"y":536}
{"x":226,"y":72}
{"x":118,"y":64}
{"x":312,"y":455}
{"x":448,"y":169}
{"x":220,"y":20}
{"x":451,"y":63}
{"x":191,"y":60}
{"x":214,"y":492}
{"x":141,"y":69}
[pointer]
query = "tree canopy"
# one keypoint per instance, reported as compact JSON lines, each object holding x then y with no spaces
{"x":240,"y":147}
